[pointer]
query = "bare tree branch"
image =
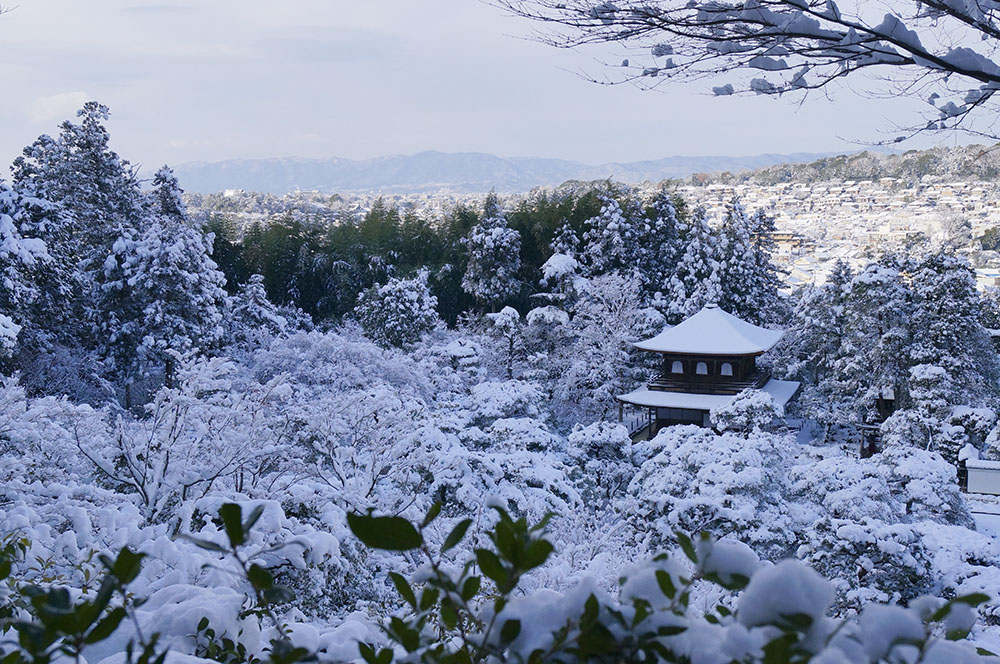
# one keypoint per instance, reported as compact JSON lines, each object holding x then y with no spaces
{"x":941,"y":51}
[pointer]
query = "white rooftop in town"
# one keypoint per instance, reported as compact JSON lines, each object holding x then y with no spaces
{"x":713,"y":331}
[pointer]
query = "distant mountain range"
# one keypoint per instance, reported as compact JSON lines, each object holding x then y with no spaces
{"x":464,"y":172}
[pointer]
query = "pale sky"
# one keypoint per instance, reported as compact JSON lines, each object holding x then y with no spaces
{"x":223,"y":79}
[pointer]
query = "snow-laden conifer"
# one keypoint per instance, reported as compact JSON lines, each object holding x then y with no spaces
{"x":398,"y":312}
{"x":494,"y":251}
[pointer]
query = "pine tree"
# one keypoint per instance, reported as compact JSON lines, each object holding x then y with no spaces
{"x":21,"y":259}
{"x":737,"y":284}
{"x":947,"y":331}
{"x":78,"y":170}
{"x":399,"y":312}
{"x":659,"y":244}
{"x":612,"y":240}
{"x":762,"y":229}
{"x":161,"y":294}
{"x":695,"y":282}
{"x":872,"y":360}
{"x":494,"y":251}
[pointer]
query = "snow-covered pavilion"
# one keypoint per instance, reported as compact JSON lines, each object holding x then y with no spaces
{"x":707,"y":360}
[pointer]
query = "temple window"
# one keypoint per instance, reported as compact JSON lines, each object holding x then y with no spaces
{"x":726,"y":369}
{"x":677,"y":367}
{"x":701,"y":369}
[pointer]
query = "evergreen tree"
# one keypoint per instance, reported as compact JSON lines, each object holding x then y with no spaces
{"x":737,"y":285}
{"x":613,"y":239}
{"x":765,"y":273}
{"x":659,"y":243}
{"x":21,"y":259}
{"x":251,"y":318}
{"x":494,"y":257}
{"x":695,"y":282}
{"x":947,"y":328}
{"x":98,"y":190}
{"x":399,"y":312}
{"x":872,"y":361}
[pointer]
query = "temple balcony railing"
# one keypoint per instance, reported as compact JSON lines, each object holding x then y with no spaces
{"x":667,"y":382}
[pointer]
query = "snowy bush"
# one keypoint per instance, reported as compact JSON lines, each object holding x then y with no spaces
{"x":750,"y":410}
{"x":399,"y":312}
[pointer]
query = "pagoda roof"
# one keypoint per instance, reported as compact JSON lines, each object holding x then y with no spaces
{"x":713,"y":331}
{"x":781,"y":391}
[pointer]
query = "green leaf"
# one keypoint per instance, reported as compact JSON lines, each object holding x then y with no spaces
{"x":449,"y":616}
{"x":208,"y":545}
{"x":260,"y":577}
{"x":252,"y":519}
{"x":385,"y":656}
{"x":537,"y":554}
{"x":232,"y":520}
{"x":686,"y":546}
{"x":666,"y":584}
{"x":427,"y":598}
{"x":471,"y":587}
{"x":403,"y":588}
{"x":491,"y":567}
{"x":106,"y":626}
{"x":127,"y":565}
{"x":390,"y":533}
{"x":278,"y":595}
{"x":671,"y":630}
{"x":591,"y":610}
{"x":543,"y":522}
{"x":973,"y":599}
{"x":432,"y":514}
{"x":367,"y":652}
{"x":510,"y":631}
{"x":456,"y":534}
{"x":798,"y":621}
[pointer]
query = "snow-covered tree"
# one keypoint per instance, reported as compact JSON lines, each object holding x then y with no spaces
{"x":659,"y":243}
{"x":251,"y":318}
{"x":695,"y":282}
{"x":494,"y":251}
{"x":738,"y":291}
{"x":78,"y":170}
{"x":602,"y":364}
{"x":163,"y":296}
{"x":751,"y":411}
{"x":873,"y":362}
{"x":508,"y":330}
{"x":947,"y":331}
{"x":19,"y":259}
{"x":613,"y":239}
{"x":398,"y":312}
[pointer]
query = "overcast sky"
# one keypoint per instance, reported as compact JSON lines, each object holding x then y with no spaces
{"x":223,"y":79}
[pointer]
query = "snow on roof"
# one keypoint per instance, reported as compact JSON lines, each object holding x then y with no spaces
{"x":713,"y":331}
{"x":781,"y":391}
{"x":982,"y":464}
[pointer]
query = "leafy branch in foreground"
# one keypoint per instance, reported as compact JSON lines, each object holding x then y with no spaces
{"x":771,"y":614}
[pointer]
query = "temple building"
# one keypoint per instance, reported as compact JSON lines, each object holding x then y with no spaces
{"x":706,"y":361}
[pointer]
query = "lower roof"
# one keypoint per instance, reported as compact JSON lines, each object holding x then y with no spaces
{"x":781,"y":391}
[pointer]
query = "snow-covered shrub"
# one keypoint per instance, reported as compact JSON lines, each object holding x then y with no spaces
{"x":727,"y":485}
{"x":750,"y":410}
{"x":869,"y":561}
{"x":509,"y":398}
{"x":604,"y":461}
{"x":399,"y":312}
